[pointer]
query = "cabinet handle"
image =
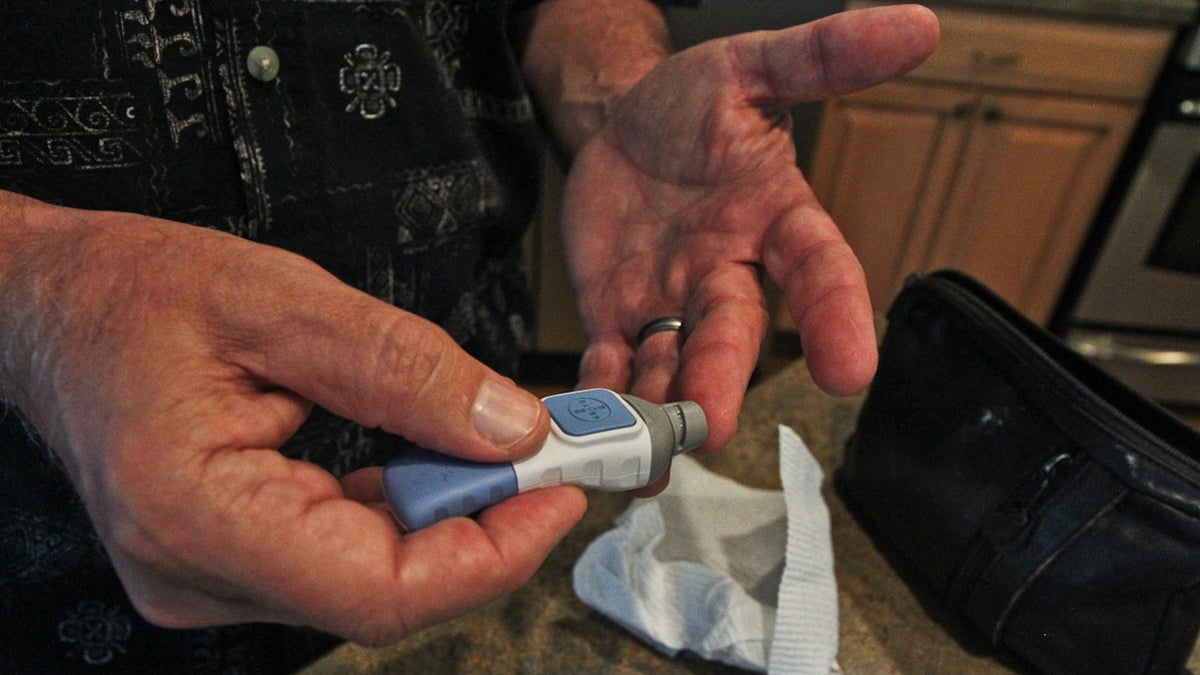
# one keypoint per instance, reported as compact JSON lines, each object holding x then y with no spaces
{"x":981,"y":58}
{"x":961,"y":110}
{"x":992,"y":114}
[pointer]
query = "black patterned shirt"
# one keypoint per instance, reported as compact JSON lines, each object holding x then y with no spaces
{"x":394,"y":145}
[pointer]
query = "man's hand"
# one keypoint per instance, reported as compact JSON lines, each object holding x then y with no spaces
{"x":691,"y":190}
{"x":166,"y":363}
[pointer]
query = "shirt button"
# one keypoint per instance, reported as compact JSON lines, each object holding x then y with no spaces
{"x":263,"y":63}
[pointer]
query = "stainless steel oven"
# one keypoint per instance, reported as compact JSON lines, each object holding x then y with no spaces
{"x":1135,"y":308}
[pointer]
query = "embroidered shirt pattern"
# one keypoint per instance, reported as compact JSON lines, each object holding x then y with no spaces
{"x":98,"y":631}
{"x":436,"y":202}
{"x":371,"y":79}
{"x":80,"y":132}
{"x":158,"y":30}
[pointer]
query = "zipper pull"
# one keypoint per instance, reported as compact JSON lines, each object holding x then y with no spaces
{"x":1016,"y":511}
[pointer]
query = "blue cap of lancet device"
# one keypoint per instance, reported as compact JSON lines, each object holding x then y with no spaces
{"x":591,"y":411}
{"x":423,"y":487}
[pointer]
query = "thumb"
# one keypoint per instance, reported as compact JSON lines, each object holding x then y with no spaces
{"x":380,"y":366}
{"x":835,"y":55}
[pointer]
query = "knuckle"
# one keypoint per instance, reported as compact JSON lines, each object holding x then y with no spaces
{"x":409,"y":359}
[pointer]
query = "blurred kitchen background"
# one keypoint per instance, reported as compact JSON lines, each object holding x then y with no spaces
{"x":1051,"y":148}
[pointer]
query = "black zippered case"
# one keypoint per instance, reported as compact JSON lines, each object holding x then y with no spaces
{"x":1042,"y":503}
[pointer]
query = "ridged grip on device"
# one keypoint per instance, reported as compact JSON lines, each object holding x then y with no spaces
{"x":674,"y":428}
{"x":423,"y":487}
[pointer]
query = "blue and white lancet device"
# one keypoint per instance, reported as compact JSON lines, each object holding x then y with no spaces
{"x":598,"y":439}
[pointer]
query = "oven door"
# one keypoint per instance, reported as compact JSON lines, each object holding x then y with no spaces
{"x":1139,"y":313}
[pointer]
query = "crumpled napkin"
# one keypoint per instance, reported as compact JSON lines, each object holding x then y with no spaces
{"x":726,"y":572}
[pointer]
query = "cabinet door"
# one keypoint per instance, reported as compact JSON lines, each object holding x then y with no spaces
{"x":882,"y":162}
{"x":1033,"y":170}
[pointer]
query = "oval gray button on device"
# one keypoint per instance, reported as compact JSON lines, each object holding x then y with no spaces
{"x":263,"y":63}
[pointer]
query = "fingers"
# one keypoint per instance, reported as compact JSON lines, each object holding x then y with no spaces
{"x":656,"y":363}
{"x":388,"y":587}
{"x":709,"y":362}
{"x":607,"y":362}
{"x":490,"y":557}
{"x":384,"y":367}
{"x":720,"y":353}
{"x":262,"y":538}
{"x":826,"y":294}
{"x":834,"y":55}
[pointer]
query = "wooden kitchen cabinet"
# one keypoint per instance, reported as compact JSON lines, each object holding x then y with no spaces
{"x":991,"y":157}
{"x":1000,"y":185}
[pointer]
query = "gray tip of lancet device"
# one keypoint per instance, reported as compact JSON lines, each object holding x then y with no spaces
{"x":689,"y":423}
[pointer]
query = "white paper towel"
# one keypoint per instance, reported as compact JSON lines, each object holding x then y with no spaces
{"x":726,"y":572}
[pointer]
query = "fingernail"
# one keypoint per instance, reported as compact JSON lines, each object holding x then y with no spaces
{"x":503,"y":413}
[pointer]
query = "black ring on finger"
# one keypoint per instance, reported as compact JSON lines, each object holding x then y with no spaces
{"x":659,"y":325}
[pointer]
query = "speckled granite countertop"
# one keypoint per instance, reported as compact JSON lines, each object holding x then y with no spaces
{"x":543,"y":628}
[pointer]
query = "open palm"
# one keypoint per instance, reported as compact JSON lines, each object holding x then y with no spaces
{"x":691,"y":191}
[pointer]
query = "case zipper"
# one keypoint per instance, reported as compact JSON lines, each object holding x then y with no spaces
{"x":1094,"y":407}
